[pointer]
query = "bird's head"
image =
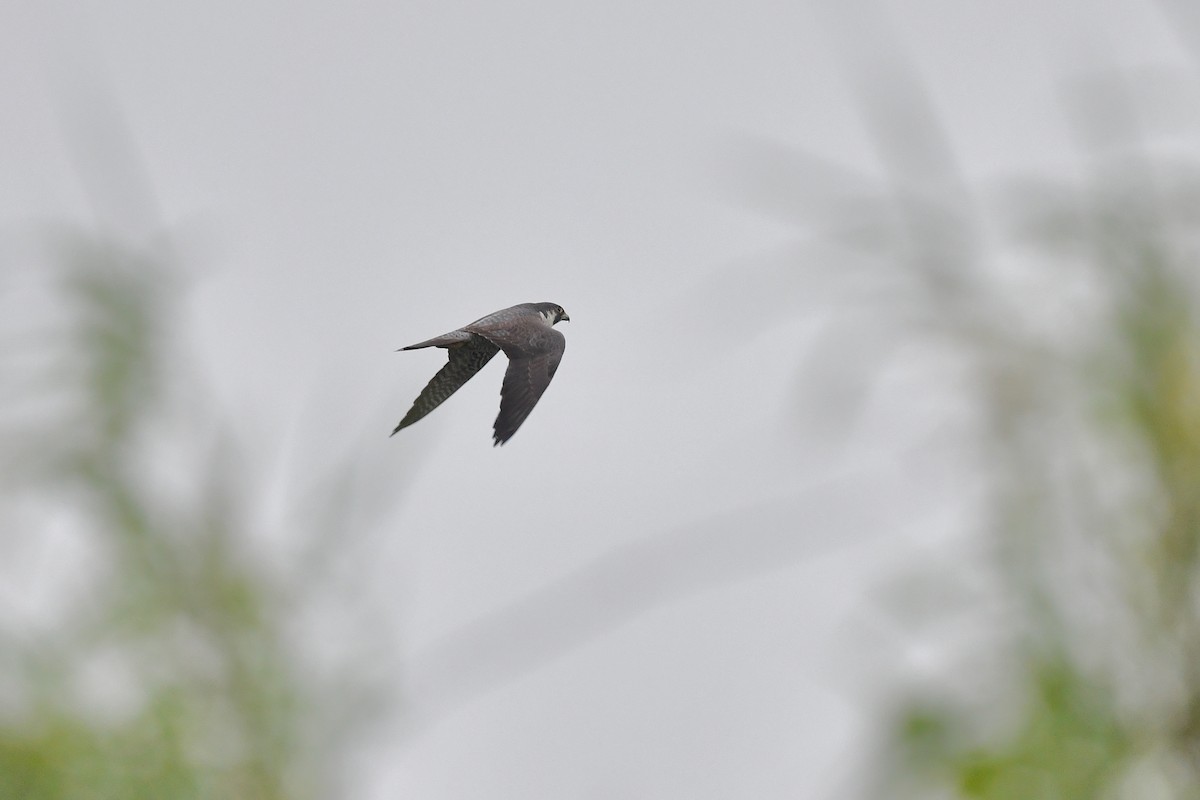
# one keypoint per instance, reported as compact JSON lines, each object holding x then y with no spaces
{"x":553,"y":313}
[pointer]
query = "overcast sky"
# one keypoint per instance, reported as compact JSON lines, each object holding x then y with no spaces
{"x":346,"y":179}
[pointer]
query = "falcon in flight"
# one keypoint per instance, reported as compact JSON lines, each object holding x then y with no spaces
{"x":526,"y":334}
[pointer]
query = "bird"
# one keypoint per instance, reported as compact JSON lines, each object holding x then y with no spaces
{"x":525,"y":332}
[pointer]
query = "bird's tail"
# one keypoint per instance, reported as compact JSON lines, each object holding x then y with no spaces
{"x":445,"y":340}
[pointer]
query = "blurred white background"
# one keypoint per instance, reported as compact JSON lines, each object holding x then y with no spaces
{"x":578,"y":614}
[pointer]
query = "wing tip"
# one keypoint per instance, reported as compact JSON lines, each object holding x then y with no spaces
{"x":404,"y":423}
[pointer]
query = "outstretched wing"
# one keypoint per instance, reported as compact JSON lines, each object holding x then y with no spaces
{"x":530,"y":368}
{"x":466,"y":359}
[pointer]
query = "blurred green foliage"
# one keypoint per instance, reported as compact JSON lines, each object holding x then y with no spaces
{"x":167,"y":664}
{"x":1084,"y":371}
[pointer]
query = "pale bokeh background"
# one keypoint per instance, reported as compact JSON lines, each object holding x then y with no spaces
{"x":674,"y":581}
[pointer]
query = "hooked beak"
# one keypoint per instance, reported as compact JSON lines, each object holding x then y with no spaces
{"x":564,"y":317}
